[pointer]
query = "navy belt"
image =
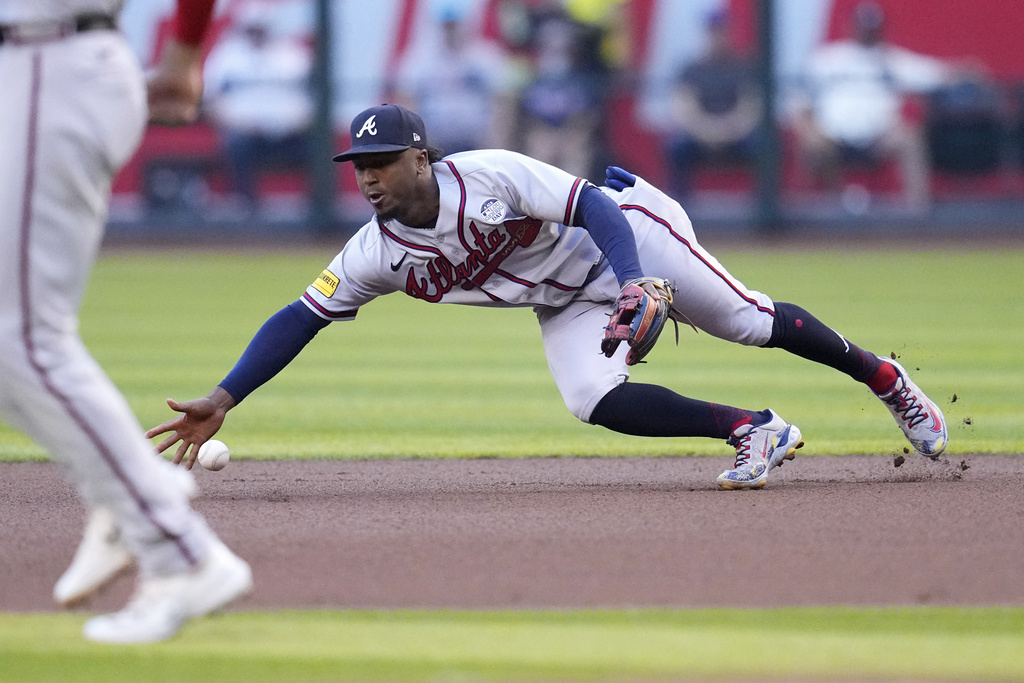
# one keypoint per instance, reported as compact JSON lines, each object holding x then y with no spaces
{"x":46,"y":31}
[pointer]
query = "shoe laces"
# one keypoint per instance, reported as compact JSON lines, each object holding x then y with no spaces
{"x":742,"y":445}
{"x":907,"y":404}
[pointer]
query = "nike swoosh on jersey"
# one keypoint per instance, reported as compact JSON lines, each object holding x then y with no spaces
{"x":396,"y":266}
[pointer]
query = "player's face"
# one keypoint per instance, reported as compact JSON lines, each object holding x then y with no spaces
{"x":393,"y":182}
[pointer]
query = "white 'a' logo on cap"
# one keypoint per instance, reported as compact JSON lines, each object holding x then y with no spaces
{"x":369,"y":126}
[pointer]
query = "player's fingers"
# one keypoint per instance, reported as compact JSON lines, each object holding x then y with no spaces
{"x":166,"y":443}
{"x":168,"y":426}
{"x":180,"y":453}
{"x":192,"y":457}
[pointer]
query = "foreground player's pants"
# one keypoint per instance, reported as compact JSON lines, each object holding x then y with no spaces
{"x":72,"y":113}
{"x":707,"y":296}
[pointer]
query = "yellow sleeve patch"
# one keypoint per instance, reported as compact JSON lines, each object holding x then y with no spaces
{"x":327,"y":283}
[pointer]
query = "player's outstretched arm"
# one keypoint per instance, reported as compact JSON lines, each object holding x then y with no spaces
{"x":275,"y":345}
{"x":200,"y":419}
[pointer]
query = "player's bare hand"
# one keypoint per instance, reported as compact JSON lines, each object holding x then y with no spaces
{"x":200,"y":419}
{"x":175,"y":85}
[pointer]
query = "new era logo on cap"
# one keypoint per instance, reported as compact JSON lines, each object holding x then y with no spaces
{"x":387,"y":128}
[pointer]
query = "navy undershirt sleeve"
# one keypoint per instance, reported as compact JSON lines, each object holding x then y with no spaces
{"x":280,"y":339}
{"x":604,"y":220}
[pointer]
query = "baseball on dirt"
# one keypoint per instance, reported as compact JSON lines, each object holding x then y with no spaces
{"x":214,"y":455}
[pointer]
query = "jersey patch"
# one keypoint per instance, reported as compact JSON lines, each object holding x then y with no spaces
{"x":327,"y":283}
{"x":493,"y":211}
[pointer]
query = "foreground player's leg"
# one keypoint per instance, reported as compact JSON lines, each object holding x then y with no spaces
{"x":797,"y":331}
{"x":762,"y":439}
{"x":52,"y":389}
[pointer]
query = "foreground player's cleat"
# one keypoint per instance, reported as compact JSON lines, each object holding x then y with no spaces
{"x":162,"y":604}
{"x":759,"y":449}
{"x":102,"y":554}
{"x":100,"y":557}
{"x":921,"y":420}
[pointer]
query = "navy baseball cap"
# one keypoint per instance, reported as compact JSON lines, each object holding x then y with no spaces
{"x":387,"y":128}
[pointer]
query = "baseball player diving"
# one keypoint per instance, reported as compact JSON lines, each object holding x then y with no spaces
{"x":599,"y":265}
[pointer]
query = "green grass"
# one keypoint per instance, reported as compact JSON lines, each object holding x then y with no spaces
{"x":780,"y":644}
{"x":409,"y":379}
{"x":412,"y":380}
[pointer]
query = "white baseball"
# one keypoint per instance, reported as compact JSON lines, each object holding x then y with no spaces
{"x":214,"y":455}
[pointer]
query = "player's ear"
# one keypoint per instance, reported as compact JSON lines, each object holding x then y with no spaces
{"x":422,"y":161}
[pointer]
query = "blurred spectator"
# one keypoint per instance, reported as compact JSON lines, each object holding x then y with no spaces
{"x":258,"y":95}
{"x":562,"y":107}
{"x":605,"y":41}
{"x":458,"y":82}
{"x":716,"y":107}
{"x":855,"y":110}
{"x":606,"y":31}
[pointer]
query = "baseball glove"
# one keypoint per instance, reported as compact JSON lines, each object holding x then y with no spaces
{"x":641,"y":311}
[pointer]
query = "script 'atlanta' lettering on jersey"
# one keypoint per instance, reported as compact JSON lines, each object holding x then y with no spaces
{"x":484,"y":258}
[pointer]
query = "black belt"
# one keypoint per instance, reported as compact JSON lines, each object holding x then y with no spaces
{"x":45,"y":31}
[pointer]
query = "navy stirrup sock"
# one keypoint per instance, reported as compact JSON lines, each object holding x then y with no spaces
{"x":797,"y":331}
{"x":651,"y":410}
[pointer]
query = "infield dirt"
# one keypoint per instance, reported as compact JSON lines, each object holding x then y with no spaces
{"x":572,"y":533}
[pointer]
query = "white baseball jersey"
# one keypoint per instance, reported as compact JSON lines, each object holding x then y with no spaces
{"x":503,"y":238}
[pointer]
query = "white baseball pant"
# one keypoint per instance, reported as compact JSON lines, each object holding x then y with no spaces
{"x":72,"y":113}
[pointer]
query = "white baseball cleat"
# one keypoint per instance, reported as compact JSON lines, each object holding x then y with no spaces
{"x":920,"y":419}
{"x":760,"y":449}
{"x":163,"y":604}
{"x":100,"y":557}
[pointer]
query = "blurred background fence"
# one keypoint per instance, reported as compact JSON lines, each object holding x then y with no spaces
{"x":584,"y":84}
